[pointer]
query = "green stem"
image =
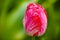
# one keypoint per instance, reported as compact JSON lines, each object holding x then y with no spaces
{"x":35,"y":38}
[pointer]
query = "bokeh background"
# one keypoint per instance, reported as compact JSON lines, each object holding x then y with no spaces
{"x":12,"y":13}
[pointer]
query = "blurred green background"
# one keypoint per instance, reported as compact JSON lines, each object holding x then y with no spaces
{"x":12,"y":13}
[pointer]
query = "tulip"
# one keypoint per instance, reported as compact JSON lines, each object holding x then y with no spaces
{"x":35,"y":20}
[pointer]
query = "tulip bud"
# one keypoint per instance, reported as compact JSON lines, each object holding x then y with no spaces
{"x":35,"y":20}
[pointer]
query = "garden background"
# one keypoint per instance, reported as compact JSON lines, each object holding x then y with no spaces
{"x":12,"y":13}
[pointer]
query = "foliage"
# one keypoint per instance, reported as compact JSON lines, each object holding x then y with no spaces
{"x":11,"y":16}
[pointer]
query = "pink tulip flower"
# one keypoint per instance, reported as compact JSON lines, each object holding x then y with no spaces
{"x":35,"y":20}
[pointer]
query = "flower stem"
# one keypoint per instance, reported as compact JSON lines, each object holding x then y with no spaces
{"x":35,"y":38}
